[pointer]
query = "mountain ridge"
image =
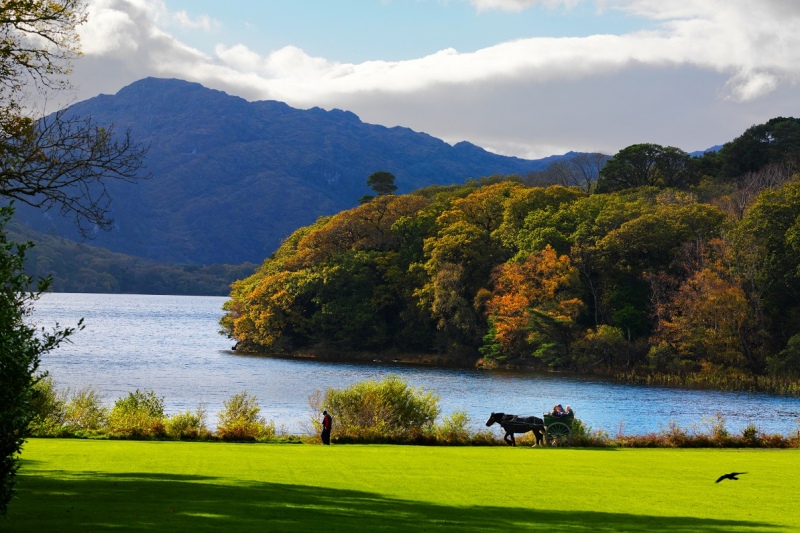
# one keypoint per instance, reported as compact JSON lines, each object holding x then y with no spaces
{"x":232,"y":178}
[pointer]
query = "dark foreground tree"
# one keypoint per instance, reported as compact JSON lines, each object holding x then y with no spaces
{"x":21,"y":348}
{"x":45,"y":161}
{"x":776,"y":142}
{"x":646,"y":164}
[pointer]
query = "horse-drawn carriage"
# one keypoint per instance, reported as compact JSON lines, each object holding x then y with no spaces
{"x":555,"y":430}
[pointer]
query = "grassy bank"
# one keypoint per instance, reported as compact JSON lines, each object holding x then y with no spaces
{"x":73,"y":485}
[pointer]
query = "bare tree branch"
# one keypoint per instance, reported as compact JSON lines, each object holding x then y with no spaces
{"x":65,"y":161}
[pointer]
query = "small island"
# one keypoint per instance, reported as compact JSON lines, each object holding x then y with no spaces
{"x":666,"y":268}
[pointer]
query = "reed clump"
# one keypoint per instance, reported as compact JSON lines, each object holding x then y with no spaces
{"x":716,"y":381}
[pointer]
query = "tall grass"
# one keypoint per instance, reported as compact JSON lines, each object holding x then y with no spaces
{"x":730,"y":382}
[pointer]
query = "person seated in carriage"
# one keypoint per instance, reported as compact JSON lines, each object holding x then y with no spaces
{"x":557,"y":410}
{"x":568,"y":411}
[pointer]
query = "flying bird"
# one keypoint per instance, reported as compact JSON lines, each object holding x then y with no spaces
{"x":732,"y":476}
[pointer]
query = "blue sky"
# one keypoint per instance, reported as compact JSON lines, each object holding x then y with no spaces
{"x":519,"y":77}
{"x":364,"y":30}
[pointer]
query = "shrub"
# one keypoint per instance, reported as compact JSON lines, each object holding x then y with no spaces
{"x":787,"y":362}
{"x":719,"y":433}
{"x":137,"y":415}
{"x":583,"y":435}
{"x":384,"y":411}
{"x":85,"y":411}
{"x":240,"y":420}
{"x":188,"y":425}
{"x":750,"y":436}
{"x":454,"y":429}
{"x":48,"y":408}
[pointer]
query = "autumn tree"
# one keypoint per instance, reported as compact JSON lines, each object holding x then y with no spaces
{"x":366,"y":227}
{"x":703,"y":327}
{"x":522,"y":202}
{"x":460,"y":259}
{"x":341,"y":283}
{"x":533,"y":308}
{"x":646,"y":245}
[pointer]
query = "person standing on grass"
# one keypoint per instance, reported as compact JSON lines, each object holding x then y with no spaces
{"x":326,"y":427}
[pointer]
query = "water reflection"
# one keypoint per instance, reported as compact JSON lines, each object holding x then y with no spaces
{"x":170,"y":344}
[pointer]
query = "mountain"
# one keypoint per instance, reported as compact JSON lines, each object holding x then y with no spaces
{"x":78,"y":267}
{"x":232,"y":178}
{"x":699,"y":153}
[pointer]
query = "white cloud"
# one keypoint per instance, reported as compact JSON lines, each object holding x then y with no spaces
{"x":750,"y":50}
{"x":520,"y":5}
{"x":111,"y":31}
{"x":751,"y":85}
{"x":202,"y":22}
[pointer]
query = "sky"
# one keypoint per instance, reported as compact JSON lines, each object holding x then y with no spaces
{"x":528,"y":78}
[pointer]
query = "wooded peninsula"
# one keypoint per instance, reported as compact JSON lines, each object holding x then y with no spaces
{"x":666,"y":268}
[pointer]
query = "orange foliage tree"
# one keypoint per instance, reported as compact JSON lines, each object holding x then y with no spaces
{"x":532,"y":309}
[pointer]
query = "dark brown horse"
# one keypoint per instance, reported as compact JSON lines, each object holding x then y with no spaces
{"x":518,"y":424}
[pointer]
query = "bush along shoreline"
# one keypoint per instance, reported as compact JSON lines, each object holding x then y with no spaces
{"x":367,"y":412}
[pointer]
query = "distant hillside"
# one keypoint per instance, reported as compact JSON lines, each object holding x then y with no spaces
{"x":699,"y":153}
{"x":232,"y":178}
{"x":77,"y":267}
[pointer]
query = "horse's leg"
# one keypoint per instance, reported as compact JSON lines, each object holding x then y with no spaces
{"x":513,"y":440}
{"x":538,"y":434}
{"x":509,"y":438}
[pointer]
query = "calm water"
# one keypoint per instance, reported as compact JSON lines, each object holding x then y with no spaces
{"x":170,"y":344}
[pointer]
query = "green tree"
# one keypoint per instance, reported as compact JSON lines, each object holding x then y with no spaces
{"x":21,"y":348}
{"x":787,"y":362}
{"x":770,"y":231}
{"x":56,"y":160}
{"x":382,"y":182}
{"x":646,"y":164}
{"x":775,"y":142}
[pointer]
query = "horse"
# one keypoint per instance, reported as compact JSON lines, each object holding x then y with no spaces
{"x":518,"y":424}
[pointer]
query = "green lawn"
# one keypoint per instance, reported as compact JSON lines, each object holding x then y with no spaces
{"x":80,"y":485}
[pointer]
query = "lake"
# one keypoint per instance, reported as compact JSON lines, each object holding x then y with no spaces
{"x":171,"y":344}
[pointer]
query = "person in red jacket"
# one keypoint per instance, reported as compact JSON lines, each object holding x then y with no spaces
{"x":326,"y":427}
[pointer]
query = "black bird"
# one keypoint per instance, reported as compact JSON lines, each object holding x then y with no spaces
{"x":732,"y":476}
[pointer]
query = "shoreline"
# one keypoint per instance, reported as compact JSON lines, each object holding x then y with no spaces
{"x":697,"y":381}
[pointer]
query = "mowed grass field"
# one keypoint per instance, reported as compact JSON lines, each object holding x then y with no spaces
{"x":85,"y":485}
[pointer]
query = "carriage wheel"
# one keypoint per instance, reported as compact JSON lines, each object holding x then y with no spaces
{"x":558,"y":434}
